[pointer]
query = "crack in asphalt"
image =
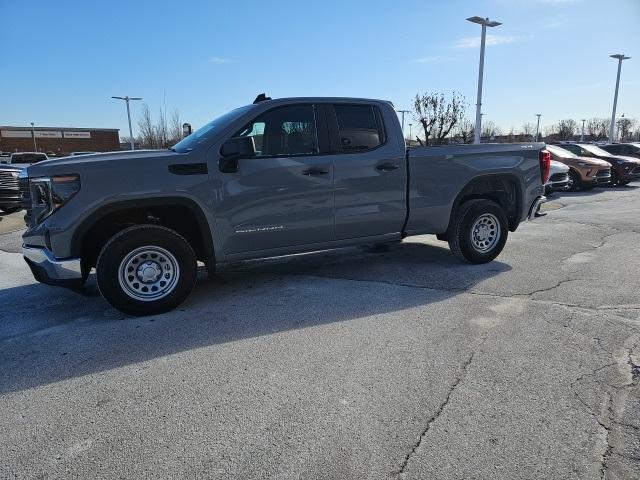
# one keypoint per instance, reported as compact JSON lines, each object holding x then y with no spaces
{"x":401,"y":472}
{"x":610,"y":421}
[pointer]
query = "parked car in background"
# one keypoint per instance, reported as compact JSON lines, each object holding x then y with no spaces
{"x":626,"y":149}
{"x":584,"y":172}
{"x":27,"y":158}
{"x":277,"y":177}
{"x":623,"y":169}
{"x":558,"y":179}
{"x":9,"y":190}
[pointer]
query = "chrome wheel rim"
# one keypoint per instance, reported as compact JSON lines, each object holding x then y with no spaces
{"x":148,"y":273}
{"x":485,"y":232}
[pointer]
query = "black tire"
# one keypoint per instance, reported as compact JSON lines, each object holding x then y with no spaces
{"x":460,"y":237}
{"x":177,"y":267}
{"x":10,"y":209}
{"x":575,"y":183}
{"x":614,"y":179}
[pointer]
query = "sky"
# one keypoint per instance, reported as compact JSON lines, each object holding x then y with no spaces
{"x":63,"y":60}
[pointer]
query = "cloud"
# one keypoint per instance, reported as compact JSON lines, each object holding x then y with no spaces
{"x":427,"y":60}
{"x":218,"y":60}
{"x":474,"y":42}
{"x":552,"y":24}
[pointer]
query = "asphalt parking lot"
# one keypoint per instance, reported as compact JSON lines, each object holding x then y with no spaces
{"x":401,"y":363}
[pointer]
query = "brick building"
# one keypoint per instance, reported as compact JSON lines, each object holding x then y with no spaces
{"x":58,"y":140}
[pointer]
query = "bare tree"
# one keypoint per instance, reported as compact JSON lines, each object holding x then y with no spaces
{"x":438,"y":115}
{"x":465,"y":131}
{"x":566,"y":129}
{"x":146,"y":129}
{"x":489,"y":130}
{"x":162,"y":131}
{"x":528,"y":131}
{"x":175,"y":128}
{"x":625,"y":127}
{"x":597,"y":128}
{"x":161,"y":134}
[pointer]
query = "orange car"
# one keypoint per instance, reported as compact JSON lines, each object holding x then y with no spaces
{"x":584,"y":172}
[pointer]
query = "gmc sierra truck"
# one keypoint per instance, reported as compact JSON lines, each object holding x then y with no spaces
{"x":277,"y":177}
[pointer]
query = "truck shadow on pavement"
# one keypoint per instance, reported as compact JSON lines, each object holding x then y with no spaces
{"x":50,"y":334}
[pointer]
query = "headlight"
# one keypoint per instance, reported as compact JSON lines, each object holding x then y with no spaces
{"x":584,"y":164}
{"x":50,"y":193}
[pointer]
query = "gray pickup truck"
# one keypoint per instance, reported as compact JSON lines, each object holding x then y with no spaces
{"x":276,"y":177}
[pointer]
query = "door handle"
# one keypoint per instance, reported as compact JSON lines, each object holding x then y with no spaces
{"x":315,"y":171}
{"x":387,"y":167}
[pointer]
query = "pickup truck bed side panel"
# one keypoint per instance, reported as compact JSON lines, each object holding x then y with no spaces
{"x":439,"y":174}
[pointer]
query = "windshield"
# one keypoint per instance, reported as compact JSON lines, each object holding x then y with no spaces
{"x":204,"y":133}
{"x":596,"y":150}
{"x":561,"y":152}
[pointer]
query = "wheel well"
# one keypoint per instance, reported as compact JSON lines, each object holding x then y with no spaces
{"x":499,"y":188}
{"x":180,"y":218}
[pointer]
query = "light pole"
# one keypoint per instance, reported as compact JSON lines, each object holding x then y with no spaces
{"x":127,"y":99}
{"x":402,"y":112}
{"x":33,"y":134}
{"x":538,"y":125}
{"x":485,"y":22}
{"x":612,"y":126}
{"x":410,"y":125}
{"x":582,"y":134}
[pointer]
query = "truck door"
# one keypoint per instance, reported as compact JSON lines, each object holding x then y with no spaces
{"x":370,"y":172}
{"x":283,"y":196}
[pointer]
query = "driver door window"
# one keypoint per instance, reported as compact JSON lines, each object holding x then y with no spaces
{"x":286,"y":131}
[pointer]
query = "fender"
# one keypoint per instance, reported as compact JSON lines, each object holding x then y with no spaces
{"x":101,"y":212}
{"x":469,"y":187}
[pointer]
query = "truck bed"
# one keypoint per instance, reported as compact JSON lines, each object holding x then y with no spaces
{"x":439,"y":175}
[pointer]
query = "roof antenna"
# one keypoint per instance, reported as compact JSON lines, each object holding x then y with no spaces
{"x":261,"y":98}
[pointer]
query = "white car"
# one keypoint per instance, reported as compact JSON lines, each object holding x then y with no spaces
{"x":559,"y":178}
{"x":27,"y":158}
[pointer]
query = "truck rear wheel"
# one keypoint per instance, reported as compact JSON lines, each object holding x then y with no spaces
{"x":480,"y":231}
{"x":146,"y":270}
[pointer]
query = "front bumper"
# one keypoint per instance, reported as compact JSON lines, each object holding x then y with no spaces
{"x":52,"y":271}
{"x":631,"y":177}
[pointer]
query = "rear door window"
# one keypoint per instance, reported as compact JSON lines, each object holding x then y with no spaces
{"x":359,"y":127}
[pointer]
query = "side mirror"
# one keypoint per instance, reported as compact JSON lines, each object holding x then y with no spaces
{"x":234,"y":149}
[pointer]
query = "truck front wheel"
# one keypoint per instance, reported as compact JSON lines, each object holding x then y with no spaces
{"x":480,"y":231}
{"x":146,"y":270}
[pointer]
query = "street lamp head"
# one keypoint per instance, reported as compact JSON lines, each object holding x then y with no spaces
{"x":620,"y":56}
{"x":483,"y":21}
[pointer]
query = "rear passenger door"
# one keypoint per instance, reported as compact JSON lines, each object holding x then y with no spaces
{"x":369,"y":172}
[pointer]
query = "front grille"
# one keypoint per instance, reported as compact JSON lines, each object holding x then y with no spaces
{"x":8,"y":181}
{"x":635,"y":171}
{"x":603,"y":176}
{"x":25,"y":198}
